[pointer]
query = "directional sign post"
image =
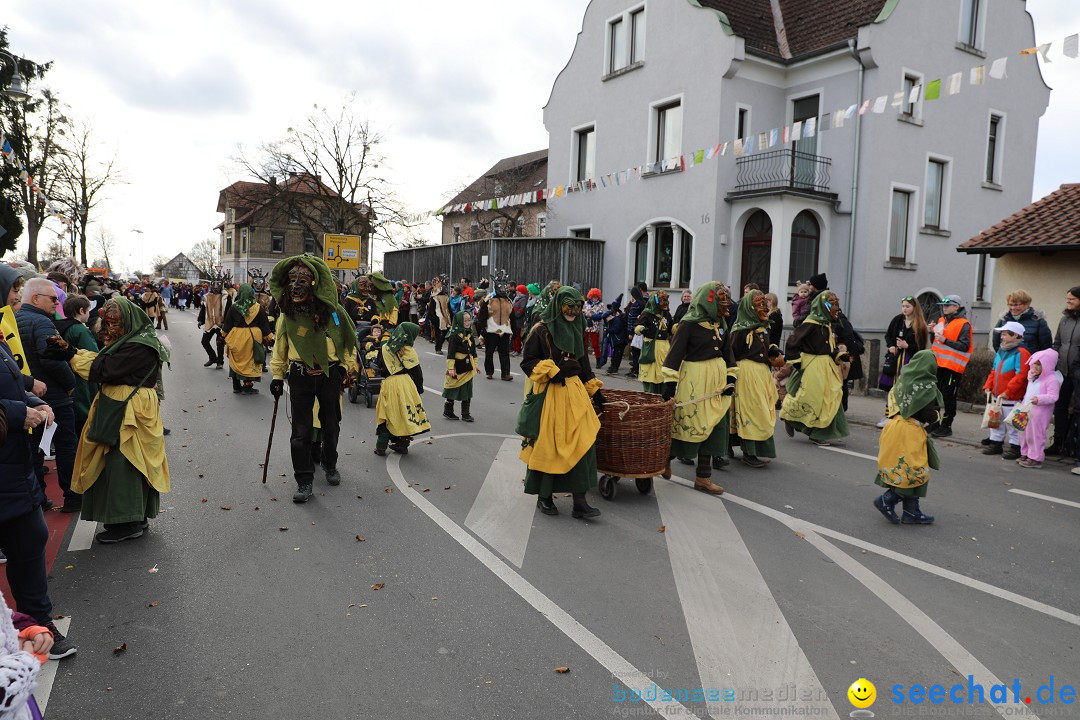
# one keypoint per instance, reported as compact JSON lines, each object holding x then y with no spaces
{"x":342,"y":252}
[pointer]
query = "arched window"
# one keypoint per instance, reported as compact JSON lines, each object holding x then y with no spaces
{"x":929,"y":302}
{"x":665,"y":256}
{"x":805,"y":239}
{"x":641,"y":258}
{"x":757,"y":251}
{"x":671,"y":265}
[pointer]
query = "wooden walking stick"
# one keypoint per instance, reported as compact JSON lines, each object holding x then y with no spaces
{"x":270,"y":440}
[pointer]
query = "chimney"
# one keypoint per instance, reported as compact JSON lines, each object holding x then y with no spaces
{"x":292,"y":173}
{"x":273,"y":182}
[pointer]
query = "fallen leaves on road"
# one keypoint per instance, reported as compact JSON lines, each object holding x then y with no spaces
{"x":153,"y":603}
{"x":427,"y":489}
{"x":800,"y":534}
{"x":388,"y":490}
{"x":200,"y":475}
{"x":359,"y":497}
{"x":58,"y":617}
{"x":153,"y":569}
{"x":378,"y":586}
{"x":663,"y":529}
{"x":120,"y":648}
{"x":256,"y":507}
{"x":283,"y":528}
{"x":446,"y":488}
{"x":273,"y":499}
{"x":562,"y":670}
{"x":974,"y":539}
{"x":70,"y":567}
{"x":359,"y":538}
{"x":205,"y":500}
{"x":226,"y":507}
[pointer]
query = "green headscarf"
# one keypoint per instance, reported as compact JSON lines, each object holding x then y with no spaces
{"x":819,"y":314}
{"x":568,"y":337}
{"x":653,"y":306}
{"x":302,"y":333}
{"x":403,"y":336}
{"x":747,"y":317}
{"x":533,"y":289}
{"x":245,"y":298}
{"x":139,"y":329}
{"x":385,"y":298}
{"x":457,"y":327}
{"x":542,"y":302}
{"x":917,"y":385}
{"x":706,"y":305}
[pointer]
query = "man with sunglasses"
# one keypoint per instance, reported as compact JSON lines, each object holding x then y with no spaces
{"x":952,"y":346}
{"x":35,"y":320}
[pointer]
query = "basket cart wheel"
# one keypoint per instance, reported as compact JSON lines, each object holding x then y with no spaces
{"x":352,"y":393}
{"x":644,"y":485}
{"x":608,"y":486}
{"x":368,"y":397}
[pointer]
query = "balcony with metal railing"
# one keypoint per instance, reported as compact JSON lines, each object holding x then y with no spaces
{"x":786,"y":170}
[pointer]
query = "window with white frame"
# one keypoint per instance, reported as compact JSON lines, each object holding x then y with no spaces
{"x":668,"y":139}
{"x":541,"y":226}
{"x":519,"y":226}
{"x":971,"y":19}
{"x":742,"y":123}
{"x":277,"y":241}
{"x":585,"y":147}
{"x":637,"y":36}
{"x":909,"y":109}
{"x":496,"y":228}
{"x":937,"y":179}
{"x":899,"y":226}
{"x":980,"y":278}
{"x":457,"y":233}
{"x":294,"y":216}
{"x":994,"y":138}
{"x":243,"y":240}
{"x":616,"y":45}
{"x":474,"y":231}
{"x":228,"y":242}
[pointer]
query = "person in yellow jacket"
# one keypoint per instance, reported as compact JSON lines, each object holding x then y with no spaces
{"x":121,"y":472}
{"x":557,"y":420}
{"x":400,"y":413}
{"x":315,"y":348}
{"x":461,"y":366}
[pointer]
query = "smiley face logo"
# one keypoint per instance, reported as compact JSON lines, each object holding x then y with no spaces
{"x":862,"y":693}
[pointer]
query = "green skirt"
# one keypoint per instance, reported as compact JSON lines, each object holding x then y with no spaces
{"x":120,"y":494}
{"x":463,"y":392}
{"x":758,"y":448}
{"x":238,"y":376}
{"x":582,"y":477}
{"x":836,"y":430}
{"x":655,"y":388}
{"x":717,"y":444}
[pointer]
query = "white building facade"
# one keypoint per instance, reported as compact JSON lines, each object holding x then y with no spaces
{"x":879,"y":204}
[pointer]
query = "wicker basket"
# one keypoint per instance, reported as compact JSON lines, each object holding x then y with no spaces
{"x":635,"y":434}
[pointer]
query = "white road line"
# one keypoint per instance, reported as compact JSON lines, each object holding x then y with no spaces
{"x":433,"y":390}
{"x":514,"y":374}
{"x":850,"y":452}
{"x":600,"y":651}
{"x":804,"y":526}
{"x":82,"y":537}
{"x":963,"y":661}
{"x":1055,"y":500}
{"x":739,"y":634}
{"x":502,"y":515}
{"x":47,"y":676}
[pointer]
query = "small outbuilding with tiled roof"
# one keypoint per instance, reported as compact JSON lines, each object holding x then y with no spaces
{"x":1036,"y":248}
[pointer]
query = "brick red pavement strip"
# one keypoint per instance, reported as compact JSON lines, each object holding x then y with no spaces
{"x":58,"y":523}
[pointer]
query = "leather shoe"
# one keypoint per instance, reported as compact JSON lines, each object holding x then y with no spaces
{"x":585,"y":511}
{"x":708,"y":486}
{"x":547,"y":506}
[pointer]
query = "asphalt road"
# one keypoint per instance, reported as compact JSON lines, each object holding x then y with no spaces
{"x":772,"y":599}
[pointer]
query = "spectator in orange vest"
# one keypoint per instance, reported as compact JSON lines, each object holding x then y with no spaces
{"x":952,"y":346}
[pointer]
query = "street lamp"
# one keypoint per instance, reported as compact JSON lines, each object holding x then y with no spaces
{"x":16,"y":90}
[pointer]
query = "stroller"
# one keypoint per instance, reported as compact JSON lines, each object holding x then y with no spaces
{"x":368,"y":381}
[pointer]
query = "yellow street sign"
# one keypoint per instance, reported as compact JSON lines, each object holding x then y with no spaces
{"x":342,"y":252}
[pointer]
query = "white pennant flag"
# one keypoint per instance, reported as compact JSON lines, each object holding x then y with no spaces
{"x":954,"y":83}
{"x":998,"y":70}
{"x":880,"y":103}
{"x":796,"y":130}
{"x":1044,"y":49}
{"x":865,"y":107}
{"x":850,"y":112}
{"x":810,"y":128}
{"x":978,"y":75}
{"x":1072,"y":46}
{"x":898,"y":100}
{"x":913,"y":97}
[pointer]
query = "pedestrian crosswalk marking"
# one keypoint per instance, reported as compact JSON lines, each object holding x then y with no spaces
{"x":502,"y":515}
{"x":47,"y":676}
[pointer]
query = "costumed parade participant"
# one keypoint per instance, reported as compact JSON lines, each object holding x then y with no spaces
{"x":438,"y":313}
{"x":120,"y":467}
{"x":386,"y":301}
{"x":400,"y":412}
{"x":496,"y":321}
{"x":557,"y":420}
{"x":260,"y":285}
{"x":461,"y":365}
{"x":696,"y":374}
{"x":315,"y":348}
{"x":540,"y":307}
{"x":814,"y":389}
{"x":247,"y":333}
{"x":654,"y":325}
{"x":211,"y":315}
{"x":906,"y":454}
{"x":755,"y":390}
{"x":359,"y":302}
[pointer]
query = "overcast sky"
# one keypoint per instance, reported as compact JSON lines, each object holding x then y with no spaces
{"x":172,"y":88}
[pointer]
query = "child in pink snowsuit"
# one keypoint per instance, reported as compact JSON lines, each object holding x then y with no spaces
{"x":1044,"y":383}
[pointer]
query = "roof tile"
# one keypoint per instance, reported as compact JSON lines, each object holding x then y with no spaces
{"x":1052,"y":222}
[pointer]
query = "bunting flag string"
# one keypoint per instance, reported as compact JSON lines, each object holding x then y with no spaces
{"x":930,"y":91}
{"x":8,"y":154}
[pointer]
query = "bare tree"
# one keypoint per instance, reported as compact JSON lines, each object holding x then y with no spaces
{"x":84,"y":176}
{"x":104,"y":244}
{"x":158,"y":263}
{"x":57,"y":249}
{"x":204,"y":255}
{"x":333,"y":178}
{"x":510,"y":177}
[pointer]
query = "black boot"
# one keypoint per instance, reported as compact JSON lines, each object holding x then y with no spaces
{"x":448,"y":410}
{"x":913,"y":515}
{"x":886,"y":503}
{"x":582,"y":509}
{"x":236,"y":387}
{"x":992,"y":448}
{"x":465,"y":416}
{"x":303,"y":493}
{"x":547,"y":505}
{"x":1010,"y":451}
{"x":333,"y":476}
